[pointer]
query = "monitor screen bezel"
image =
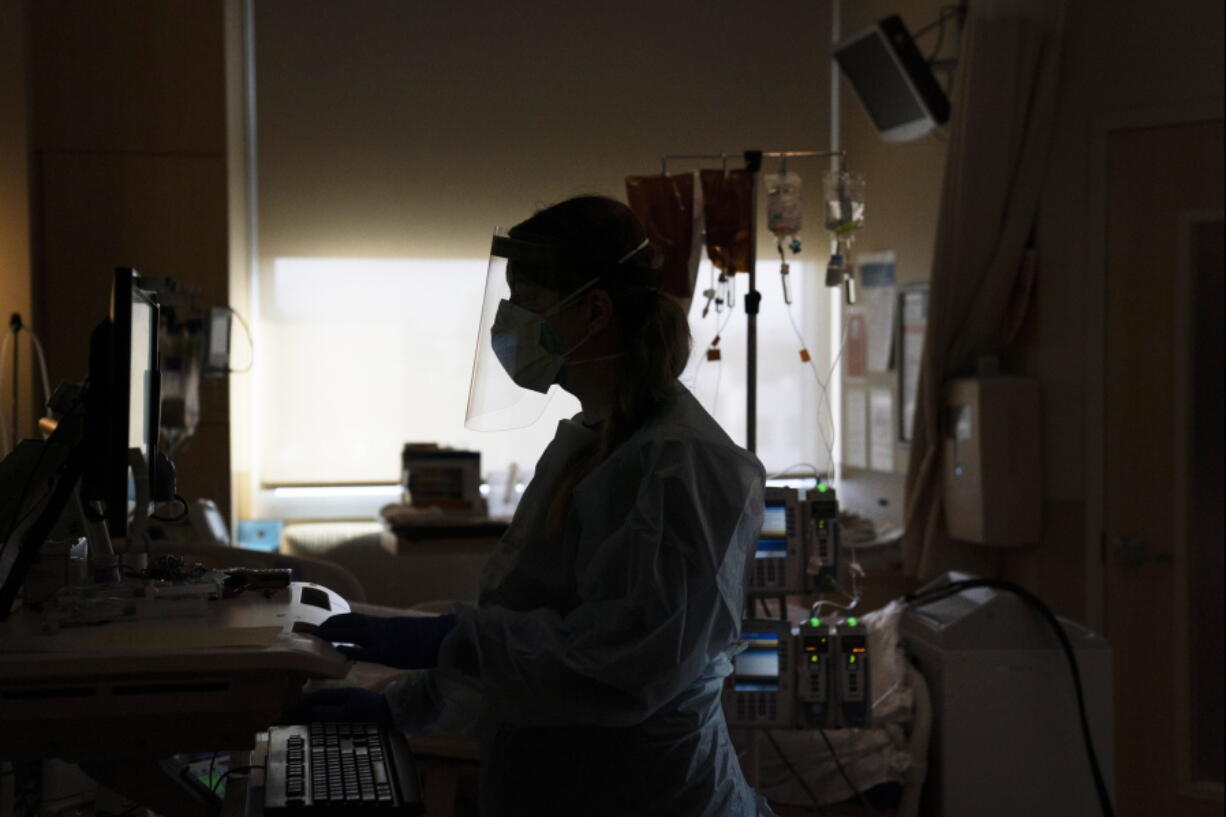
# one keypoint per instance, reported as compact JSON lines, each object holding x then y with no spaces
{"x":124,"y":294}
{"x":907,"y":131}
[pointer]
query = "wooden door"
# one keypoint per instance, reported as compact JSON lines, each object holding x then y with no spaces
{"x":1162,"y":468}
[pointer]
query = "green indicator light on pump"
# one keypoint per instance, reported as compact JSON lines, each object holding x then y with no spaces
{"x":815,"y":622}
{"x":854,"y":622}
{"x":821,"y":489}
{"x":851,"y":659}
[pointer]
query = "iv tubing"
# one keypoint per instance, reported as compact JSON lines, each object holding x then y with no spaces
{"x":753,"y":163}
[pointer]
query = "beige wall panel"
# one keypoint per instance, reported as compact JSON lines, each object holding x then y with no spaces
{"x":1056,"y":570}
{"x":130,"y":75}
{"x":163,"y":215}
{"x":428,"y":124}
{"x":14,"y":206}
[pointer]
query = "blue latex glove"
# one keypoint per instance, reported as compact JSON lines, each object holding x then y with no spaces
{"x":409,"y":642}
{"x":340,"y":704}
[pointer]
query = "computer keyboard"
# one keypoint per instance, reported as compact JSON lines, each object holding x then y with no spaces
{"x":340,"y":769}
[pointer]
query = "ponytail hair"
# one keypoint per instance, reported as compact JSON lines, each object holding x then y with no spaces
{"x":653,"y":327}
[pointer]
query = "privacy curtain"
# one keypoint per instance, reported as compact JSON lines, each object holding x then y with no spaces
{"x":1000,"y":128}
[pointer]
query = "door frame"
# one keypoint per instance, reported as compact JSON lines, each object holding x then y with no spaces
{"x":1182,"y":416}
{"x":1101,"y":128}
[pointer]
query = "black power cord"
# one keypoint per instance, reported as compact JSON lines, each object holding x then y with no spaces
{"x":213,"y":765}
{"x":217,"y":783}
{"x":846,"y":778}
{"x":954,"y":588}
{"x":799,"y":779}
{"x":179,"y":517}
{"x":947,"y":13}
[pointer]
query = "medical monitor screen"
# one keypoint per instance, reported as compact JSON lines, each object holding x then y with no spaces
{"x":757,"y":668}
{"x":775,"y":521}
{"x":141,"y":366}
{"x":893,"y":81}
{"x":887,"y":97}
{"x":771,"y":549}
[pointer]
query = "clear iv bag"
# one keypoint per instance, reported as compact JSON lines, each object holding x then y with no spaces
{"x":783,"y":206}
{"x":844,"y":194}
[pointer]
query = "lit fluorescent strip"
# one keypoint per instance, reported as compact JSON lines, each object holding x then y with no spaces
{"x":322,"y":491}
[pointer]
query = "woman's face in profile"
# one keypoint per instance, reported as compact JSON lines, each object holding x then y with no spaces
{"x":531,"y":296}
{"x":567,"y":321}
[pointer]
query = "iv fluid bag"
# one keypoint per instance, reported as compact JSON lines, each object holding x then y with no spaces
{"x":667,"y":208}
{"x":783,"y":210}
{"x":844,"y":201}
{"x":727,"y":208}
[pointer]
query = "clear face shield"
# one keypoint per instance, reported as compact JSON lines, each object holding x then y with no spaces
{"x":519,"y":357}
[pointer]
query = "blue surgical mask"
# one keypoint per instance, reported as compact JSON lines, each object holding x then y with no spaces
{"x":527,"y":345}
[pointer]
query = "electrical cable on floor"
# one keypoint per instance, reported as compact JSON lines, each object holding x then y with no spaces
{"x":954,"y":588}
{"x":859,"y":794}
{"x":799,"y":779}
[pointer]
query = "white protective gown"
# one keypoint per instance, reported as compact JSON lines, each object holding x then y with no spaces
{"x":601,"y":652}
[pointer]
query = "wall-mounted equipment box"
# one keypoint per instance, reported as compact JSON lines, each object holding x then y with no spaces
{"x":991,"y":460}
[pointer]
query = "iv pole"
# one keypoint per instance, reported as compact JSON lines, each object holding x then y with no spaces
{"x":753,"y":298}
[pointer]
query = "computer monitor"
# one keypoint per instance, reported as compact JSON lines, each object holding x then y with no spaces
{"x":893,"y":81}
{"x":123,"y":403}
{"x":121,"y":413}
{"x":39,"y":480}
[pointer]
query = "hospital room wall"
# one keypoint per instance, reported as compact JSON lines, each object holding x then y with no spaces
{"x":902,"y":194}
{"x":1156,"y":59}
{"x":1159,"y":59}
{"x":422,"y":132}
{"x":127,"y":153}
{"x":14,"y":208}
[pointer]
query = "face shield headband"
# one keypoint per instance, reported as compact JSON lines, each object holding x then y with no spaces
{"x":554,"y":264}
{"x":518,"y":355}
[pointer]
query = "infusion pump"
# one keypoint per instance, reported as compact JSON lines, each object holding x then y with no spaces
{"x":815,"y":676}
{"x":798,"y":549}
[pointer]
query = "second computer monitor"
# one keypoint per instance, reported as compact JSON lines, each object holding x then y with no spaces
{"x":124,"y":402}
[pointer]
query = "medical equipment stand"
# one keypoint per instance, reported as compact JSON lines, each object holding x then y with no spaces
{"x":753,"y":298}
